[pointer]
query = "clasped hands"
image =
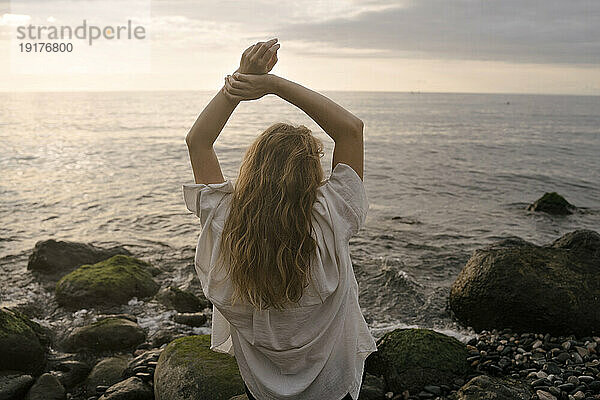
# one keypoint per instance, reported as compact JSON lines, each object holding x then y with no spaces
{"x":252,"y":80}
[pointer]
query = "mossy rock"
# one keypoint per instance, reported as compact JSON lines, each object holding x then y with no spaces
{"x":107,"y":283}
{"x":485,"y":387}
{"x":181,"y":300}
{"x":409,"y":359}
{"x":106,"y":372}
{"x":109,"y":334}
{"x":23,"y":343}
{"x":528,"y":288}
{"x":187,"y":370}
{"x":552,"y":203}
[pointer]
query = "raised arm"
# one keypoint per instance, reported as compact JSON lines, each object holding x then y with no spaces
{"x":343,"y":127}
{"x":258,"y":59}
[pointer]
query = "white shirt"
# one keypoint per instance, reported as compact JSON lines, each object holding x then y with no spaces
{"x":315,"y":350}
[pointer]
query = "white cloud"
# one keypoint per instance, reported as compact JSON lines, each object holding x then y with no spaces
{"x":14,"y":19}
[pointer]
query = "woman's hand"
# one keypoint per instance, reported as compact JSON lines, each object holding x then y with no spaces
{"x":259,"y":58}
{"x":241,"y":87}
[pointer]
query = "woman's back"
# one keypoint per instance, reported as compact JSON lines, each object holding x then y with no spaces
{"x":315,"y":349}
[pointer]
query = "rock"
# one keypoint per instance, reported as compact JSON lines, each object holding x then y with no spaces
{"x":14,"y":385}
{"x":373,"y":388}
{"x":484,"y":387}
{"x":71,"y":372}
{"x":187,"y":369}
{"x":47,"y":387}
{"x":163,"y":336}
{"x":23,"y":343}
{"x":410,"y":359}
{"x":516,"y":284}
{"x":240,"y":397}
{"x":543,"y":395}
{"x":106,"y":373}
{"x":552,"y":203}
{"x":105,"y":335}
{"x":54,"y":257}
{"x":107,"y":283}
{"x":140,"y":361}
{"x":130,"y":389}
{"x":181,"y":300}
{"x":190,"y":319}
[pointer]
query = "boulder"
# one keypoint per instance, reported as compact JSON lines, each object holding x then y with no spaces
{"x":485,"y":387}
{"x":164,"y":336}
{"x":23,"y":343}
{"x":107,"y":283}
{"x":14,"y":385}
{"x":46,"y":387}
{"x":109,"y":334}
{"x":410,"y":359}
{"x":372,"y":388}
{"x":55,"y":257}
{"x":552,"y":203}
{"x":187,"y":369}
{"x":190,"y":319}
{"x":181,"y":300}
{"x":130,"y":389}
{"x":107,"y":372}
{"x":528,"y":288}
{"x":71,"y":372}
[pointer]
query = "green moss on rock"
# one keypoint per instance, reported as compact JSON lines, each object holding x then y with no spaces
{"x":187,"y":369}
{"x":409,"y":359}
{"x":105,"y":335}
{"x":21,"y":347}
{"x":107,"y":283}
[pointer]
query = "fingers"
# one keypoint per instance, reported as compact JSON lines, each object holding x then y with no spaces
{"x":232,"y":90}
{"x":242,"y":77}
{"x":271,"y":63}
{"x":231,"y":97}
{"x":264,"y":47}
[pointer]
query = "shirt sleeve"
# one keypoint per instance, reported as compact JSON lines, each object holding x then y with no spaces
{"x":348,"y":196}
{"x":203,"y":199}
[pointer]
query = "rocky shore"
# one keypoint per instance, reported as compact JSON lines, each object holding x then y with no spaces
{"x":536,"y":311}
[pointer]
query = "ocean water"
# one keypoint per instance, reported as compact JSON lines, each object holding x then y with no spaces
{"x":445,"y":174}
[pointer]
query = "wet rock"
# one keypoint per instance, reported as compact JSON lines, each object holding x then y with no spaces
{"x":23,"y":343}
{"x":181,"y":300}
{"x":373,"y":388}
{"x":54,"y":257}
{"x":130,"y":389}
{"x":107,"y":334}
{"x":552,"y":203}
{"x":484,"y":387}
{"x":107,"y":283}
{"x":46,"y":387}
{"x":71,"y":372}
{"x":163,"y":336}
{"x":142,"y":363}
{"x":410,"y":359}
{"x":190,"y":319}
{"x":516,"y":284}
{"x":188,"y":369}
{"x":106,"y":373}
{"x":14,"y":385}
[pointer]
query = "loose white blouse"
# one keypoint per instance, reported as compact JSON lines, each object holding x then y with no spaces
{"x":317,"y":349}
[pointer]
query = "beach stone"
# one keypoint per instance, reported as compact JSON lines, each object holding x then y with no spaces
{"x":106,"y":372}
{"x":56,"y":257}
{"x":190,"y":319}
{"x":141,"y":361}
{"x":163,"y":336}
{"x":23,"y":343}
{"x":105,"y":335}
{"x":543,"y":395}
{"x":373,"y":388}
{"x":484,"y":387}
{"x":46,"y":387}
{"x":410,"y":359}
{"x":516,"y":284}
{"x":187,"y":369}
{"x":552,"y":203}
{"x":242,"y":397}
{"x":71,"y":372}
{"x":181,"y":300}
{"x":108,"y":283}
{"x":14,"y":385}
{"x":130,"y":389}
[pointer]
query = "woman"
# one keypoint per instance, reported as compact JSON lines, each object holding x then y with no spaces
{"x":273,"y":253}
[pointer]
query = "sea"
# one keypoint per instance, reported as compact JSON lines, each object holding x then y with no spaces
{"x":445,"y":174}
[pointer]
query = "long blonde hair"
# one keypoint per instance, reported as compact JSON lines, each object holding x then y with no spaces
{"x":266,"y":244}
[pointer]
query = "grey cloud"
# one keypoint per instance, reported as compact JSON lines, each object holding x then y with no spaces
{"x":548,"y":31}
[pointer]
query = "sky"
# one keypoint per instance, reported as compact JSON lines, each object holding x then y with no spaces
{"x":491,"y":46}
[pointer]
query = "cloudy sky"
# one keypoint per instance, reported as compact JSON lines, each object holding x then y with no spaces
{"x":516,"y":46}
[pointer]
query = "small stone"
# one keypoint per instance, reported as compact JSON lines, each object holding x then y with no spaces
{"x":579,"y":395}
{"x":541,"y":375}
{"x":573,"y":380}
{"x":543,"y":395}
{"x":567,"y":387}
{"x":436,"y":390}
{"x":536,"y":344}
{"x":586,"y":379}
{"x":552,"y":368}
{"x":190,"y":319}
